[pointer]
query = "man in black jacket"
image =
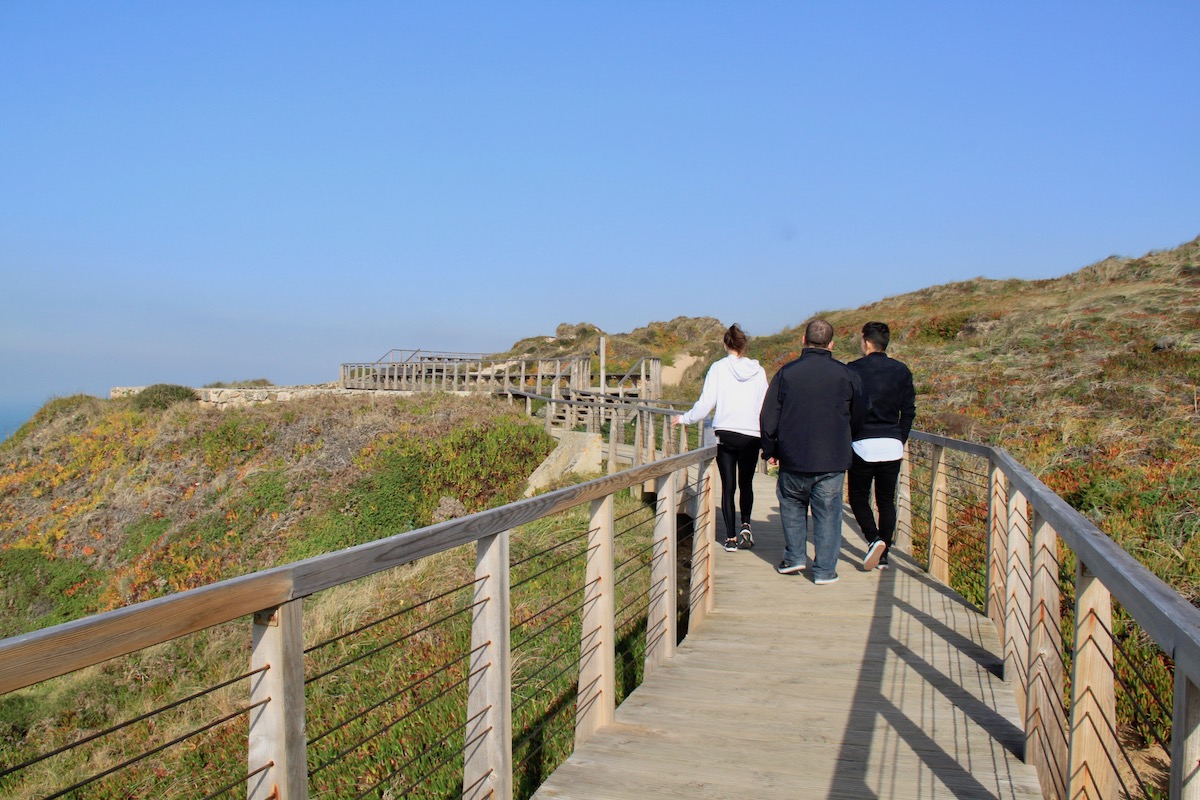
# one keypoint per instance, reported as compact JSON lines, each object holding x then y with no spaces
{"x":879,"y":445}
{"x":813,"y":408}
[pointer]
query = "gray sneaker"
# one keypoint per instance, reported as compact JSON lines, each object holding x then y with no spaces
{"x":824,"y":581}
{"x":745,"y":537}
{"x":785,"y":568}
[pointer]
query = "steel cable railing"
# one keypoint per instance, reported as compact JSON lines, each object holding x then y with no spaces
{"x":99,"y":760}
{"x":371,"y":703}
{"x":390,"y":704}
{"x":1091,"y":639}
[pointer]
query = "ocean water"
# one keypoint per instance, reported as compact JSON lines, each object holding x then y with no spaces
{"x":13,"y":416}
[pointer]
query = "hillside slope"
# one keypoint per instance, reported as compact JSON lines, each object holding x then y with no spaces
{"x":1091,"y":380}
{"x":104,"y":504}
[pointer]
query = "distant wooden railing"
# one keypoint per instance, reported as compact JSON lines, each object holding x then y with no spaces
{"x":1072,"y":739}
{"x":441,"y":373}
{"x":638,"y":431}
{"x":424,"y":371}
{"x":271,"y":601}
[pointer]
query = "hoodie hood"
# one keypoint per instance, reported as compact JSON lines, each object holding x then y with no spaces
{"x":743,"y":369}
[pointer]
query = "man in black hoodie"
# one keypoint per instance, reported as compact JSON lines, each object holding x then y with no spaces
{"x":813,"y":408}
{"x":879,"y":445}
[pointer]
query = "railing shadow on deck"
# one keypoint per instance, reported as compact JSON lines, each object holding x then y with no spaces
{"x":873,"y":700}
{"x":948,"y":759}
{"x":1103,"y":657}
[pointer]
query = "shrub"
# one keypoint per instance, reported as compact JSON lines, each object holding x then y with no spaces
{"x":162,"y":396}
{"x":256,"y":383}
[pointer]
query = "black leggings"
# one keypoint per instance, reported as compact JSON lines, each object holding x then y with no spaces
{"x":737,"y":458}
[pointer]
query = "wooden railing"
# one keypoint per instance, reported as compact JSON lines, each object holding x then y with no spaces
{"x":1022,"y":535}
{"x":271,"y":601}
{"x":421,"y":372}
{"x":638,"y":431}
{"x":425,"y":371}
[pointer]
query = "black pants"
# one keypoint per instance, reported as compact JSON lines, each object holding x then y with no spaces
{"x":737,"y":458}
{"x":884,"y":474}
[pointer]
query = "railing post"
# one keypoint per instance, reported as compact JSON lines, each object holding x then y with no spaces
{"x":487,"y":757}
{"x":904,"y":530}
{"x":1185,"y":739}
{"x":706,"y":535}
{"x":939,"y":529}
{"x":1045,"y":722}
{"x":997,"y":548}
{"x":639,"y":436}
{"x":597,"y":639}
{"x":1016,"y":603}
{"x":277,"y":726}
{"x":615,"y":427}
{"x":661,"y":618}
{"x":651,"y":447}
{"x":1093,"y":748}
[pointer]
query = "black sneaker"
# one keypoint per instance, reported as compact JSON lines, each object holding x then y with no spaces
{"x":874,"y":553}
{"x":745,"y":537}
{"x":883,"y":562}
{"x":731,"y":545}
{"x":785,"y":568}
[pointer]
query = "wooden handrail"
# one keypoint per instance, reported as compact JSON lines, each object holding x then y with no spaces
{"x":276,"y":747}
{"x":40,"y":655}
{"x":1075,"y":756}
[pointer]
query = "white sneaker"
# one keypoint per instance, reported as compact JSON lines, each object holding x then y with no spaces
{"x":874,"y":552}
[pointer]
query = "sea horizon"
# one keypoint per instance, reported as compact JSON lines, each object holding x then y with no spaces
{"x":14,"y":415}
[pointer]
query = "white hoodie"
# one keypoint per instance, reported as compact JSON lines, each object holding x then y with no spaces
{"x":736,"y":386}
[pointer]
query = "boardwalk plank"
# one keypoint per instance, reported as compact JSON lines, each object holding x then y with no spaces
{"x":884,"y":684}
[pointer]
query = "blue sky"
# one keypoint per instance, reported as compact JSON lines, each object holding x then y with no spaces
{"x":199,"y":192}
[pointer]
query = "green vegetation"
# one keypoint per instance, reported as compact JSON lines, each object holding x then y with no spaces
{"x":1090,"y":380}
{"x":162,"y":396}
{"x":121,"y":503}
{"x":377,"y":717}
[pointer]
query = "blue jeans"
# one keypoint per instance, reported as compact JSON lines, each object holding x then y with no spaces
{"x":822,"y":492}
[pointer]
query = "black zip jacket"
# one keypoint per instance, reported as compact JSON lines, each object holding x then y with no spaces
{"x":814,"y":405}
{"x":889,"y":385}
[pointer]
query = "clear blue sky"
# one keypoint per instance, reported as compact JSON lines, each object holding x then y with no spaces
{"x":199,"y":192}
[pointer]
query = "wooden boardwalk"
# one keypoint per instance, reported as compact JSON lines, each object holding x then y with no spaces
{"x":882,"y":685}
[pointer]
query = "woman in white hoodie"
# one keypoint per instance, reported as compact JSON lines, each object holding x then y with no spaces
{"x":735,"y":385}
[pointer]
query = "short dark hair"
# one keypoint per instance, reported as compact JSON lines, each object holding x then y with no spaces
{"x":735,"y":339}
{"x":818,"y":333}
{"x":878,"y":334}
